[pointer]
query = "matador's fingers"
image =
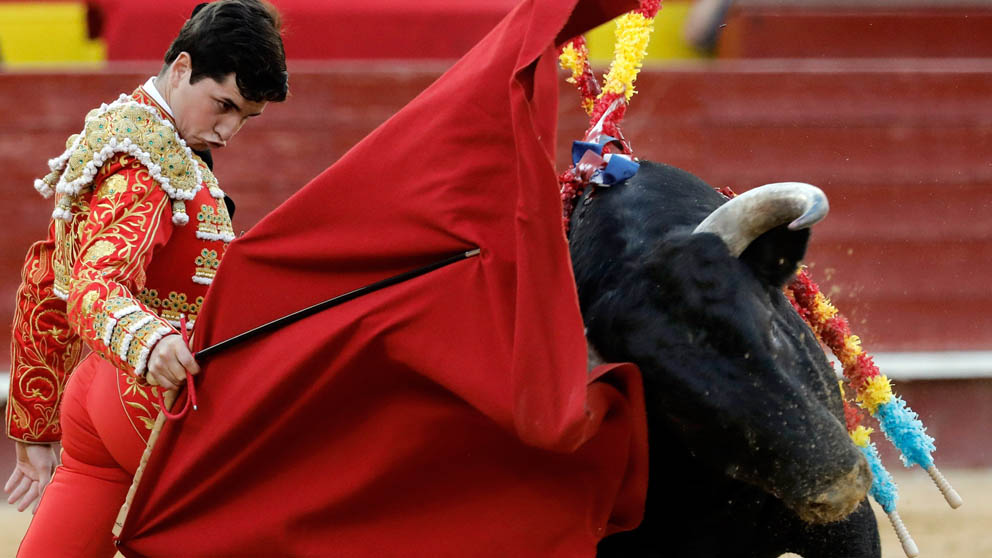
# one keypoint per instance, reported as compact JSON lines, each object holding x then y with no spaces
{"x":15,"y":477}
{"x":20,"y":490}
{"x":29,"y":498}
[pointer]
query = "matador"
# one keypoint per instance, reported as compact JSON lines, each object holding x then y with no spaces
{"x":138,"y":231}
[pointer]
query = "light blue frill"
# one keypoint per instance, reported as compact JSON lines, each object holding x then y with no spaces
{"x":903,"y":428}
{"x":883,"y":488}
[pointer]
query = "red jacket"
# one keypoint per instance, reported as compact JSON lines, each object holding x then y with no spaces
{"x":120,"y":265}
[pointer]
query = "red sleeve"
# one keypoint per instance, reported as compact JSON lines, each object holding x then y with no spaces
{"x":127,"y":219}
{"x":43,"y":351}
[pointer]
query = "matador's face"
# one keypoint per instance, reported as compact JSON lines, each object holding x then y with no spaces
{"x":208,"y":113}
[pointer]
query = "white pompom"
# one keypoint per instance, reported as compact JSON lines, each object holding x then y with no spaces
{"x":43,"y":188}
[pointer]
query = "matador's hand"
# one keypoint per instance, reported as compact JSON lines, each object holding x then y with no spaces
{"x":169,"y":362}
{"x":33,"y":471}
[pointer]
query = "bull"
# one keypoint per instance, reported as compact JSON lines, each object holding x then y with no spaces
{"x":748,"y":449}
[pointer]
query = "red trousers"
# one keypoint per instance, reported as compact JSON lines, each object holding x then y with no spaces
{"x":100,"y":452}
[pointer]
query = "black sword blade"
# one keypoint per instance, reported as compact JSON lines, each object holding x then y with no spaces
{"x":331,"y":302}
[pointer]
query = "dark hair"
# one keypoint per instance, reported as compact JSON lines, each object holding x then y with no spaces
{"x":239,"y":36}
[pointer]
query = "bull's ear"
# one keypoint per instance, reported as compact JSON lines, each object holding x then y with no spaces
{"x":775,"y":255}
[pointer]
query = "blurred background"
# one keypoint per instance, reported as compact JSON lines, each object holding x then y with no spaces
{"x":884,"y":104}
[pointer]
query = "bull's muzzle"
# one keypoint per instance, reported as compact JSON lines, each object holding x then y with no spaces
{"x":839,"y":499}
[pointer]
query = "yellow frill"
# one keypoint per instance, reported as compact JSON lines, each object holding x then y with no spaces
{"x":877,"y":392}
{"x":861,"y":436}
{"x":632,"y":35}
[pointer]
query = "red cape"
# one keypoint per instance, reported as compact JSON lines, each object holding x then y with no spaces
{"x":450,"y":415}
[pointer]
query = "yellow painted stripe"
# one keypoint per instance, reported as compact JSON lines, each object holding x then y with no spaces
{"x":33,"y":34}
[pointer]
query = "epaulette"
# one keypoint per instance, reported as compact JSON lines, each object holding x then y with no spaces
{"x":127,"y":127}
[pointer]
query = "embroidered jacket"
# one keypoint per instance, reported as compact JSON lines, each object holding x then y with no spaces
{"x":121,"y":265}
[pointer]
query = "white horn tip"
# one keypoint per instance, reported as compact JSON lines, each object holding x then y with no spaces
{"x":817,"y":211}
{"x":816,"y":202}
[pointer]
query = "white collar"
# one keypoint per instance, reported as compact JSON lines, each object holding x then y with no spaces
{"x":150,"y":88}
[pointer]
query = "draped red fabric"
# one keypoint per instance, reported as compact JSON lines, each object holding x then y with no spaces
{"x":450,"y":415}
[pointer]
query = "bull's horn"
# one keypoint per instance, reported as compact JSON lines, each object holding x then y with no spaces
{"x":755,"y":212}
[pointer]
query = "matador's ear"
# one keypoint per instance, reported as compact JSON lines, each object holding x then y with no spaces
{"x":197,"y":9}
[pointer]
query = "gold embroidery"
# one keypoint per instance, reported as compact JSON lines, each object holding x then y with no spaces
{"x":206,"y":266}
{"x":121,"y":221}
{"x":99,"y":325}
{"x":172,"y":307}
{"x":209,"y":180}
{"x":139,"y":399}
{"x":224,"y":215}
{"x":72,"y":138}
{"x":128,"y":127}
{"x":44,"y":350}
{"x":120,"y":304}
{"x":214,"y":224}
{"x":141,"y":343}
{"x":115,"y":184}
{"x":63,"y":258}
{"x":121,"y":339}
{"x":99,"y":249}
{"x":66,"y":249}
{"x":88,"y":300}
{"x":147,"y":133}
{"x":134,"y":351}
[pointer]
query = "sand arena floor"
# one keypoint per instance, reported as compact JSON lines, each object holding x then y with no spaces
{"x":940,"y":532}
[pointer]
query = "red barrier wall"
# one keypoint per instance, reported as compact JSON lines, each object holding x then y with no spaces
{"x":900,"y":148}
{"x":953,"y":412}
{"x":773,"y":30}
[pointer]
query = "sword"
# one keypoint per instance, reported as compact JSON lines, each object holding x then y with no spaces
{"x":332,"y":302}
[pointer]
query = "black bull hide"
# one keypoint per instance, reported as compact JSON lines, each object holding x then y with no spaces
{"x":749,"y":453}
